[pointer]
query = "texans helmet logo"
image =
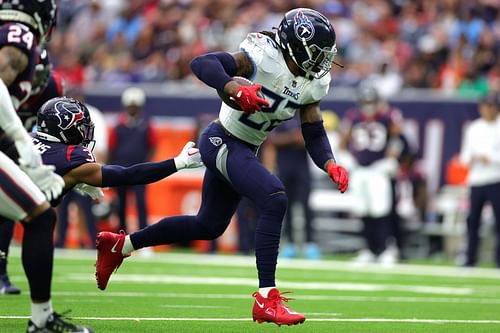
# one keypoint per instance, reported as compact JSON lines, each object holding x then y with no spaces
{"x":303,"y":27}
{"x":68,"y":114}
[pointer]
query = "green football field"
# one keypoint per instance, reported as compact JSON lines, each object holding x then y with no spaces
{"x":175,"y":292}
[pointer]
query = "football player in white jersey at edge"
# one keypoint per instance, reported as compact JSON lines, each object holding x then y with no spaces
{"x":291,"y":67}
{"x":27,"y":185}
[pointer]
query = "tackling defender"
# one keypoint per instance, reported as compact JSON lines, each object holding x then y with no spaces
{"x":64,"y":133}
{"x":292,"y":67}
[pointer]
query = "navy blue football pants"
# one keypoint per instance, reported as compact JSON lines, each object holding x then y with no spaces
{"x":232,"y":171}
{"x":479,"y":195}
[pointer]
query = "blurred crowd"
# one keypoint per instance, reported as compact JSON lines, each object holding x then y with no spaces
{"x":451,"y":45}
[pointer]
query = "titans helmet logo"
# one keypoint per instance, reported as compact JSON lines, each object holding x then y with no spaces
{"x":68,"y":114}
{"x":303,"y":27}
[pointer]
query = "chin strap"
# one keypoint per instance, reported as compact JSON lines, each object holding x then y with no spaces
{"x":47,"y":137}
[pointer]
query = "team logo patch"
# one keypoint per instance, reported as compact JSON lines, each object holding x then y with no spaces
{"x":303,"y":27}
{"x":215,"y":140}
{"x":67,"y":114}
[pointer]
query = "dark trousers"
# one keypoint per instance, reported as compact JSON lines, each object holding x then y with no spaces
{"x":6,"y":232}
{"x":479,"y":195}
{"x":378,"y":230}
{"x":247,"y":221}
{"x":298,"y":188}
{"x":85,"y":204}
{"x":140,"y":199}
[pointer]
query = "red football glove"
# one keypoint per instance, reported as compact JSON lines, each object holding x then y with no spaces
{"x":339,"y":176}
{"x":248,"y":98}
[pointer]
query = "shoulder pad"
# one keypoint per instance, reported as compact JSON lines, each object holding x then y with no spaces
{"x":320,"y":87}
{"x":18,"y":35}
{"x":262,"y":50}
{"x":80,"y":155}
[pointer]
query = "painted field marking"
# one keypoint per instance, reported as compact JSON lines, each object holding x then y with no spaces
{"x":301,"y":264}
{"x":225,"y":281}
{"x":347,"y":298}
{"x":366,"y":320}
{"x":175,"y":306}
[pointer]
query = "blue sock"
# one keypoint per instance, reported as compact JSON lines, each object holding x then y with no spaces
{"x":267,"y":237}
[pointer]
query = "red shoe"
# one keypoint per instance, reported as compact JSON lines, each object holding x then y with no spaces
{"x":109,"y":256}
{"x":273,"y":309}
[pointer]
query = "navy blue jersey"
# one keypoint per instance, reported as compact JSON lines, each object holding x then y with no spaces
{"x":21,"y":37}
{"x":28,"y":110}
{"x":63,"y":157}
{"x":370,"y":135}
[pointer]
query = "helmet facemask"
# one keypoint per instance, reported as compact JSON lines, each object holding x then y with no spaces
{"x":319,"y":62}
{"x":86,"y":129}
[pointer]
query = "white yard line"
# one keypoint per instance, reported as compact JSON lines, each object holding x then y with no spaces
{"x":320,"y":265}
{"x":296,"y":285}
{"x":391,"y":299}
{"x":374,"y":320}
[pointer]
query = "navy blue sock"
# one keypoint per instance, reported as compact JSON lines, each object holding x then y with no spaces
{"x":38,"y":254}
{"x":267,"y":237}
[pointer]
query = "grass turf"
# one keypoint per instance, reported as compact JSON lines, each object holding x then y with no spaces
{"x":203,"y":293}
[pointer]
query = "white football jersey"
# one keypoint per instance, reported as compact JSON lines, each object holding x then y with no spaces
{"x":285,"y":92}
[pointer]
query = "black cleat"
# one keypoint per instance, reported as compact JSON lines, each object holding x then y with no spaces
{"x":6,"y":287}
{"x":56,"y":324}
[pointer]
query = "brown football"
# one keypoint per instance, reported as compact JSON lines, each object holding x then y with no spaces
{"x":228,"y":100}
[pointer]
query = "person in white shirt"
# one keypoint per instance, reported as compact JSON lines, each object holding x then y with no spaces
{"x":481,"y":153}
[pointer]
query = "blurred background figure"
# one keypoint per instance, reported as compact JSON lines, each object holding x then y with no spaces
{"x":84,"y":203}
{"x":291,"y":163}
{"x":371,"y":132}
{"x":481,"y":153}
{"x":132,"y":141}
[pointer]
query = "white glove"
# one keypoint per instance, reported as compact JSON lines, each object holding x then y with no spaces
{"x":92,"y":191}
{"x":50,"y":183}
{"x":29,"y":156}
{"x":189,"y":157}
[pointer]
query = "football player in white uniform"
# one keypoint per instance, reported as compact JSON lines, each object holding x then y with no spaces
{"x":26,"y":187}
{"x":292,"y":69}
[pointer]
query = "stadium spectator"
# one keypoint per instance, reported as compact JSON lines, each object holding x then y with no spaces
{"x":481,"y":153}
{"x":132,"y":141}
{"x":176,"y":31}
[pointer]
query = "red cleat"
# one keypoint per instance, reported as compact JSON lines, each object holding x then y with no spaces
{"x":273,"y":309}
{"x":109,"y":256}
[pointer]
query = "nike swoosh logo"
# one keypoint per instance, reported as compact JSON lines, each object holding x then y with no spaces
{"x":260,"y":305}
{"x":191,"y":153}
{"x":113,"y":249}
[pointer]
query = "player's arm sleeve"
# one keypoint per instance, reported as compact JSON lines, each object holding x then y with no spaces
{"x":215,"y":69}
{"x":315,"y":138}
{"x":142,"y":173}
{"x":317,"y":143}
